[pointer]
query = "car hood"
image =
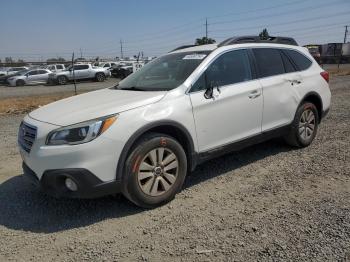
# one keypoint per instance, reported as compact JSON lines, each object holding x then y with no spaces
{"x":93,"y":105}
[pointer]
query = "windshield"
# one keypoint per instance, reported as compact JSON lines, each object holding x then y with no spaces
{"x":164,"y":73}
{"x":21,"y":73}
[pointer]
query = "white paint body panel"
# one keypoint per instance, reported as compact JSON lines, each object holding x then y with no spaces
{"x":229,"y":117}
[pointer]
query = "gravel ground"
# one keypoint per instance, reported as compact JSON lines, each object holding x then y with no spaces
{"x":268,"y":202}
{"x":22,"y":91}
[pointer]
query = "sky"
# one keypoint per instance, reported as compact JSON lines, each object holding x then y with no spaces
{"x":35,"y":30}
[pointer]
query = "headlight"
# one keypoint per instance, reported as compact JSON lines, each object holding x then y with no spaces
{"x":80,"y":133}
{"x":11,"y":78}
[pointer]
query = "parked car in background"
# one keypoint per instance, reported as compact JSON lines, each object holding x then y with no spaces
{"x":331,"y":53}
{"x":126,"y":68}
{"x":56,"y":67}
{"x":345,"y":57}
{"x":108,"y":64}
{"x":81,"y":72}
{"x":315,"y":52}
{"x":14,"y":70}
{"x":122,"y":70}
{"x":3,"y":78}
{"x":3,"y":71}
{"x":29,"y":77}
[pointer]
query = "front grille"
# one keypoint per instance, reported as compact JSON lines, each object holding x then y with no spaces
{"x":26,"y":136}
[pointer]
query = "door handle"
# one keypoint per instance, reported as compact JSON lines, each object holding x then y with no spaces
{"x":294,"y":81}
{"x":254,"y":94}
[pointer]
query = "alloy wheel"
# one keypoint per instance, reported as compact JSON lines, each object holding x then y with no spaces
{"x":158,"y":171}
{"x":307,"y":124}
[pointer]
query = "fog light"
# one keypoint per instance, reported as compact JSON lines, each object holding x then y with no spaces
{"x":71,"y":185}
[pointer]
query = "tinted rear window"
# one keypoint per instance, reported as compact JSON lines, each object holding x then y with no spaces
{"x":299,"y":60}
{"x":81,"y":67}
{"x":269,"y":61}
{"x":288,"y":66}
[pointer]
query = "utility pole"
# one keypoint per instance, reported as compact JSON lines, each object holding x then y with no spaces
{"x":121,"y":48}
{"x":75,"y":83}
{"x":346,"y":34}
{"x":206,"y":28}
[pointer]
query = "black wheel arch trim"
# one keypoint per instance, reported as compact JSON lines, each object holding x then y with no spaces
{"x":192,"y":155}
{"x":313,"y":93}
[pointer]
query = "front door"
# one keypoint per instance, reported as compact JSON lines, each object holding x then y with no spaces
{"x":32,"y":77}
{"x":234,"y":112}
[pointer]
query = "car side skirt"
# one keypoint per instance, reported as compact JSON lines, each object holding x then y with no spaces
{"x":238,"y":145}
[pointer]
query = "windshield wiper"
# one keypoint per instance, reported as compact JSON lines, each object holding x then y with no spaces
{"x":130,"y":88}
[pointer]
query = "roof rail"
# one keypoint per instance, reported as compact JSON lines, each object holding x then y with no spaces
{"x":182,"y":47}
{"x":256,"y":39}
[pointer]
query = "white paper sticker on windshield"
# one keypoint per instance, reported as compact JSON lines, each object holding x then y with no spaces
{"x":194,"y":56}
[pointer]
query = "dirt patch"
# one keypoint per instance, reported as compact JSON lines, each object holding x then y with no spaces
{"x":339,"y":72}
{"x":23,"y":105}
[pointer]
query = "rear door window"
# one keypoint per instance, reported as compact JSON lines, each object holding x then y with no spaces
{"x":269,"y":61}
{"x":81,"y":67}
{"x":288,"y":66}
{"x":301,"y":61}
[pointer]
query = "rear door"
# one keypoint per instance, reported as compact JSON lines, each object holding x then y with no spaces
{"x":279,"y":79}
{"x":235,"y":111}
{"x":81,"y":71}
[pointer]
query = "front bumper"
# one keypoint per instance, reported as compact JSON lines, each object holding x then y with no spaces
{"x":52,"y":183}
{"x":325,"y":113}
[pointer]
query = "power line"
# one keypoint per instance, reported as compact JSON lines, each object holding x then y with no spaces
{"x":284,"y":23}
{"x":260,"y":9}
{"x":268,"y":16}
{"x":152,"y":36}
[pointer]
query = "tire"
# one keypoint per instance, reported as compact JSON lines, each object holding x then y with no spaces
{"x":20,"y":83}
{"x":62,"y":80}
{"x":100,"y":77}
{"x":148,"y":184}
{"x":304,"y":126}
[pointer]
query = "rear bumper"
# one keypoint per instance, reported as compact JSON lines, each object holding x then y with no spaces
{"x":89,"y":186}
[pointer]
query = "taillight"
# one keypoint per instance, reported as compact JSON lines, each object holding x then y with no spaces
{"x":325,"y":76}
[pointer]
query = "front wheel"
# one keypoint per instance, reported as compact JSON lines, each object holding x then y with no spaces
{"x":304,"y":126}
{"x":62,"y":80}
{"x":20,"y":82}
{"x":100,"y":77}
{"x":155,"y":171}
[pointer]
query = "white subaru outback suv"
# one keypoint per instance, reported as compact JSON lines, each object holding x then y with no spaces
{"x":144,"y":135}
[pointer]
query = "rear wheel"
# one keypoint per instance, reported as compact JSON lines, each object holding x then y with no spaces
{"x":62,"y":80}
{"x":155,"y":170}
{"x":20,"y":83}
{"x":304,"y":126}
{"x":100,"y":77}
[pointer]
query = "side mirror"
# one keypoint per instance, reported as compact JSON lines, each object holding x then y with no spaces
{"x":208,"y":94}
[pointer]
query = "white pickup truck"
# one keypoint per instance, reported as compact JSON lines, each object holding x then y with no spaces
{"x":81,"y":72}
